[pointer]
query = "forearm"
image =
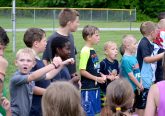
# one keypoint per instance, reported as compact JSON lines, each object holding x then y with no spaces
{"x":151,"y":59}
{"x":134,"y":80}
{"x":53,"y":73}
{"x":38,"y":90}
{"x":38,"y":73}
{"x":88,"y":75}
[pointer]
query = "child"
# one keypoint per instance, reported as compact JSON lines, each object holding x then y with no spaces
{"x":89,"y":70}
{"x":61,"y":47}
{"x":22,"y":82}
{"x":144,"y":51}
{"x":109,"y":66}
{"x":156,"y":96}
{"x":4,"y":103}
{"x":69,"y":22}
{"x":130,"y":67}
{"x":63,"y":101}
{"x":35,"y":38}
{"x":120,"y":97}
{"x":4,"y":40}
{"x":159,"y":47}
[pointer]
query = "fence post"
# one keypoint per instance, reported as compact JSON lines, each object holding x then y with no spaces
{"x":34,"y":16}
{"x":14,"y":26}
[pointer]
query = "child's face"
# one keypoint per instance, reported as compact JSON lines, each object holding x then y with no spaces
{"x":74,"y":24}
{"x":112,"y":52}
{"x":133,"y":46}
{"x":154,"y":34}
{"x":2,"y":48}
{"x":65,"y":52}
{"x":42,"y":44}
{"x":95,"y":38}
{"x":25,"y":63}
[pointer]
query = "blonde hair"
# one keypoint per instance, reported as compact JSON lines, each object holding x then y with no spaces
{"x":120,"y":96}
{"x":161,"y":24}
{"x":108,"y":44}
{"x":126,"y":40}
{"x":61,"y":99}
{"x":27,"y":51}
{"x":147,"y":27}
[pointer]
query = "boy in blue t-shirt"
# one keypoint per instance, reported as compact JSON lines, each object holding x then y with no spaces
{"x":145,"y":48}
{"x":130,"y":67}
{"x":89,"y":71}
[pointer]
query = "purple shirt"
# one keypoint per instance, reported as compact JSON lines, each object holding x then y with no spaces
{"x":161,"y":107}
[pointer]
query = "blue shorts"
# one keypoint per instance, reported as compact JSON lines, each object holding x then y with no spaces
{"x":90,"y":100}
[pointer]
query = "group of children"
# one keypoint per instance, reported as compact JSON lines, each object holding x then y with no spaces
{"x":131,"y":79}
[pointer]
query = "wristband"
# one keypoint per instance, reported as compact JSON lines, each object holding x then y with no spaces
{"x":54,"y":65}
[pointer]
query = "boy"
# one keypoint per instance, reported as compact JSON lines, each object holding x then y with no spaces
{"x":22,"y":82}
{"x":89,"y":70}
{"x":109,"y":66}
{"x":130,"y":67}
{"x":69,"y":22}
{"x":144,"y":51}
{"x":62,"y":48}
{"x":35,"y":38}
{"x":4,"y":40}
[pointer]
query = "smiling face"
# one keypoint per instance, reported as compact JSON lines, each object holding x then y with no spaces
{"x":111,"y":51}
{"x":25,"y":62}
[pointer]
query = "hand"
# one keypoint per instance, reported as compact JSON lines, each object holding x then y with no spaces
{"x":5,"y":103}
{"x":69,"y":61}
{"x":75,"y":78}
{"x":57,"y":61}
{"x":111,"y":77}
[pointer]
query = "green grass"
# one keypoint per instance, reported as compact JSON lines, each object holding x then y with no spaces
{"x":50,"y":23}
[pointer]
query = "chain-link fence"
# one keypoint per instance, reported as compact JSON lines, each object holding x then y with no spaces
{"x":47,"y":17}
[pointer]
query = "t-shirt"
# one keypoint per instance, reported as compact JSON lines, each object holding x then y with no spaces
{"x":161,"y":107}
{"x":130,"y":64}
{"x":47,"y":55}
{"x":62,"y":75}
{"x":36,"y":101}
{"x":21,"y":92}
{"x":145,"y":48}
{"x":89,"y":61}
{"x":106,"y":67}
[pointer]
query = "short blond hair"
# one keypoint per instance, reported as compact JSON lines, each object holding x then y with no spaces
{"x":147,"y":27}
{"x":108,"y":44}
{"x":161,"y":24}
{"x":25,"y":50}
{"x":126,"y":40}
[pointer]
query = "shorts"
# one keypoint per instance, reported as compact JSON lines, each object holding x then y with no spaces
{"x":141,"y":99}
{"x":90,"y":100}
